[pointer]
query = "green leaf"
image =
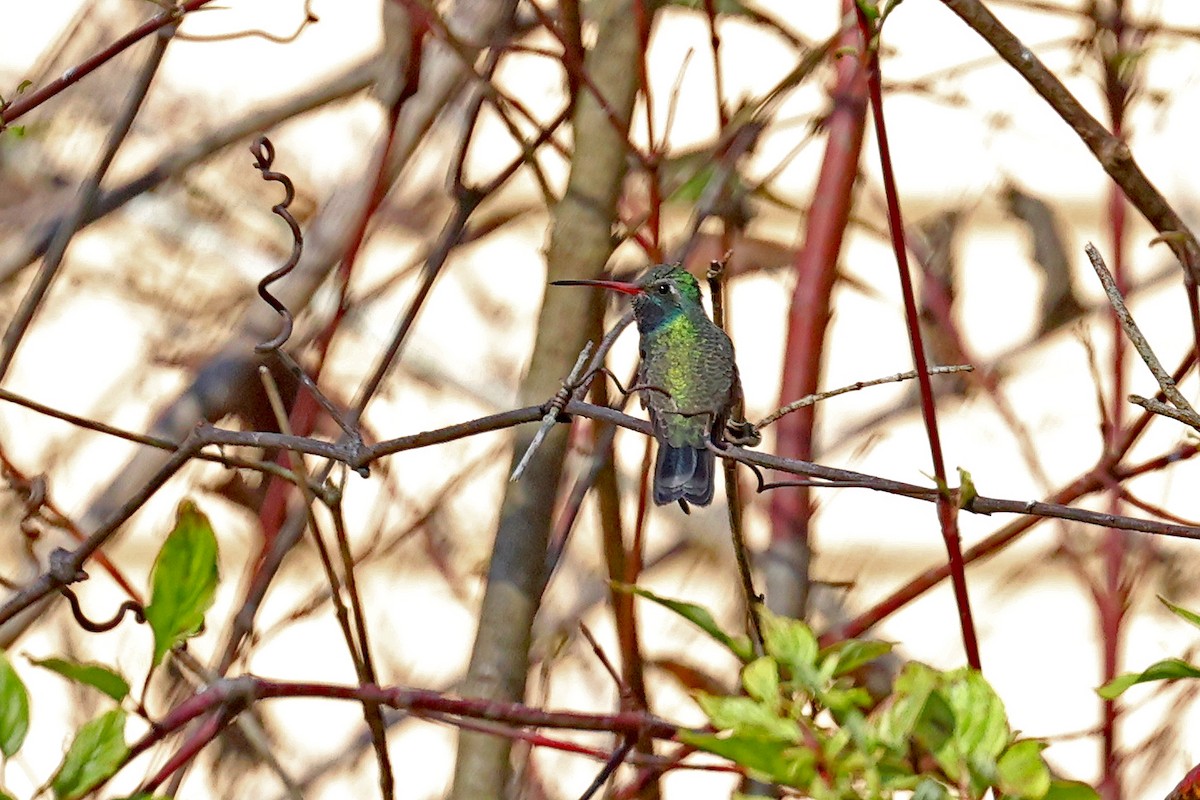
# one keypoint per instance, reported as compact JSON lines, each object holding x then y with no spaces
{"x":761,"y":679}
{"x":1168,"y":670}
{"x":1022,"y":772}
{"x":1070,"y":790}
{"x":980,"y":724}
{"x":899,"y":716}
{"x":841,"y":701}
{"x":966,"y":489}
{"x":14,"y":708}
{"x":183,"y":582}
{"x":768,"y":759}
{"x":854,"y":653}
{"x":929,"y":789}
{"x":934,"y":729}
{"x":98,"y":750}
{"x":698,"y":616}
{"x":95,"y":675}
{"x":743,"y":716}
{"x":790,"y":641}
{"x":1179,"y":611}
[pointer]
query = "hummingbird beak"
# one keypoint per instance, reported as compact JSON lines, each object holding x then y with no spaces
{"x":616,"y":286}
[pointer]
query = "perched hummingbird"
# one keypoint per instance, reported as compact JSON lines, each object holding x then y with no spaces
{"x":687,"y":379}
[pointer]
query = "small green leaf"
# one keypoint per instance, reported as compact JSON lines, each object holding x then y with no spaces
{"x":1179,"y":611}
{"x":744,"y":716}
{"x":767,"y":759}
{"x":854,"y":653}
{"x":935,"y":729}
{"x":843,"y":700}
{"x":966,"y":489}
{"x":23,"y":85}
{"x":980,"y":724}
{"x":1022,"y":771}
{"x":183,"y":582}
{"x":900,"y":715}
{"x":790,"y":641}
{"x":698,"y":616}
{"x":929,"y":789}
{"x":1168,"y":670}
{"x":95,"y":675}
{"x":1070,"y":790}
{"x":98,"y":751}
{"x":761,"y":679}
{"x":14,"y":708}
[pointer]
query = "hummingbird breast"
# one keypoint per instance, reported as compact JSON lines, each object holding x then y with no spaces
{"x":691,"y":360}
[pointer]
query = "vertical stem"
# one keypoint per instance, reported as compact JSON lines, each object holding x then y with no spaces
{"x":1112,"y":599}
{"x":946,"y":509}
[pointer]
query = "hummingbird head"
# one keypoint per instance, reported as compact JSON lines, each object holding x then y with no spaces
{"x":664,"y":292}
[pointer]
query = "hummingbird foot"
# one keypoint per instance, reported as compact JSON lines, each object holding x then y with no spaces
{"x":742,"y":432}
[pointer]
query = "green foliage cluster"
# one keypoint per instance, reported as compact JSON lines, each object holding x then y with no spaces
{"x":182,"y":586}
{"x":805,"y":721}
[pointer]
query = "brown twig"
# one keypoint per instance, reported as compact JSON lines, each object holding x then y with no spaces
{"x":1183,"y":409}
{"x":854,"y":387}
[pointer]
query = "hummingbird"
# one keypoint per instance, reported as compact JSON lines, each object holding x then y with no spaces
{"x":687,"y":379}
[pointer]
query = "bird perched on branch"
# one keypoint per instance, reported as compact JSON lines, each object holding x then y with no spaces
{"x":687,"y":379}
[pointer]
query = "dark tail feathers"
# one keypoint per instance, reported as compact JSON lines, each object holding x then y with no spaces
{"x":683,"y":473}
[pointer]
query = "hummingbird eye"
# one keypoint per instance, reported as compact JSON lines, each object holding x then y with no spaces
{"x":664,"y":288}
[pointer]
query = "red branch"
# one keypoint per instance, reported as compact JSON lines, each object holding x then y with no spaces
{"x":947,"y":513}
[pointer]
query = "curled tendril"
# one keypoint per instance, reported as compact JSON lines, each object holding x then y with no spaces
{"x":264,"y":156}
{"x":100,"y":627}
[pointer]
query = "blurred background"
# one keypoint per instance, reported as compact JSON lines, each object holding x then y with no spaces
{"x":154,"y":310}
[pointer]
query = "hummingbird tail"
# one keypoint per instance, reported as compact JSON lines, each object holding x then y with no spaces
{"x":683,"y":473}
